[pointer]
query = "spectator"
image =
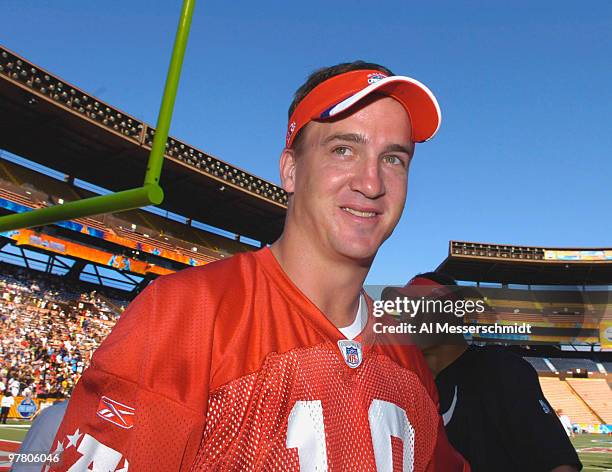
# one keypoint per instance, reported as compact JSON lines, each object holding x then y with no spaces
{"x":7,"y":402}
{"x":48,"y":332}
{"x":14,"y":387}
{"x":566,"y":423}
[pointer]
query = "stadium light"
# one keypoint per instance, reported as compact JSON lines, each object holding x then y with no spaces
{"x":86,"y":106}
{"x":150,"y":193}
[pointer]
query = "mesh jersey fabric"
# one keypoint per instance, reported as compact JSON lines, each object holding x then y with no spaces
{"x":230,"y":367}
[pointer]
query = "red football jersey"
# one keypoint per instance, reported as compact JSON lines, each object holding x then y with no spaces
{"x":230,"y":367}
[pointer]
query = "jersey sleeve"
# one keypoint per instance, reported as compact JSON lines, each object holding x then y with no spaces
{"x":136,"y":405}
{"x":530,"y":423}
{"x":445,"y":457}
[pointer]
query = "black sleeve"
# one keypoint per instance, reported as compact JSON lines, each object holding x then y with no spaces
{"x":531,"y":425}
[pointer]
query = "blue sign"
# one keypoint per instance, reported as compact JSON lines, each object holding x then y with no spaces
{"x":27,"y":408}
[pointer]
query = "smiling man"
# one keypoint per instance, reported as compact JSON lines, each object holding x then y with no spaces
{"x":347,"y":179}
{"x":267,"y":360}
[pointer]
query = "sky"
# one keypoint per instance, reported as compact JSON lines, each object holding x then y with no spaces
{"x":524,"y":153}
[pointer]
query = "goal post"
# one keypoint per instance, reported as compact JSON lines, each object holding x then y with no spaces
{"x":150,"y":193}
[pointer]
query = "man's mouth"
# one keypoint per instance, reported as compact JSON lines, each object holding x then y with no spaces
{"x":359,"y":213}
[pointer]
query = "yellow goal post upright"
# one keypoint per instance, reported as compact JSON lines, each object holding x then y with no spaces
{"x":150,"y":193}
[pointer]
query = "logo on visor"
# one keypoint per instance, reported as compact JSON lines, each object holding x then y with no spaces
{"x":290,"y":130}
{"x":375,"y":77}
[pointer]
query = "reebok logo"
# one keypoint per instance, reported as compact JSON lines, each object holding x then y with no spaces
{"x":116,"y":413}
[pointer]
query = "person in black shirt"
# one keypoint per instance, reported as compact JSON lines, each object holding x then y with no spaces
{"x":491,"y":402}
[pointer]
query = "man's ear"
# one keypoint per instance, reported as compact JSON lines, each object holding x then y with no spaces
{"x":287,"y":170}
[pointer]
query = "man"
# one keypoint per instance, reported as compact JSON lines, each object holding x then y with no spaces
{"x":491,"y":402}
{"x":267,"y":360}
{"x":14,"y":386}
{"x":566,"y":423}
{"x":7,"y":403}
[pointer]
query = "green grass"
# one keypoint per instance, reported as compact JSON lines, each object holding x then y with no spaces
{"x":11,"y":433}
{"x":594,"y":461}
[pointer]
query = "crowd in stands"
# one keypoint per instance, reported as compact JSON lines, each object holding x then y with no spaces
{"x":49,"y":330}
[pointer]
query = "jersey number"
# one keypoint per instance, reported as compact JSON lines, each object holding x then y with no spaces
{"x":306,"y":432}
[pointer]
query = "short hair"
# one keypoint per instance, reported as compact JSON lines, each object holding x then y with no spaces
{"x":321,"y":75}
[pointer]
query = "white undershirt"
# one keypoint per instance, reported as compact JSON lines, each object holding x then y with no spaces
{"x":361,"y":318}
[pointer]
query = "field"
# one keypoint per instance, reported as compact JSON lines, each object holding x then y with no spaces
{"x":590,"y":449}
{"x":595,"y":450}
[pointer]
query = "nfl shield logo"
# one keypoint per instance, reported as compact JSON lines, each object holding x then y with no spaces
{"x":351,"y":351}
{"x":372,"y":78}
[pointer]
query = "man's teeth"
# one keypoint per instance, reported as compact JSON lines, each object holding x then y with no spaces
{"x":362,"y":214}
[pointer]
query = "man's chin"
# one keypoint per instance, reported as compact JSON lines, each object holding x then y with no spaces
{"x":362,"y":253}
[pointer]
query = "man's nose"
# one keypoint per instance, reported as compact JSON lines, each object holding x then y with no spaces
{"x":367,"y":178}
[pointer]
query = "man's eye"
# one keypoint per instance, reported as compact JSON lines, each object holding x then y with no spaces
{"x":393,"y":160}
{"x":343,"y":151}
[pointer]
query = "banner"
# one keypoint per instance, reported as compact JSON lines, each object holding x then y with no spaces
{"x":605,"y":334}
{"x":578,"y":255}
{"x":593,"y":428}
{"x":24,"y":407}
{"x":150,"y":248}
{"x":192,"y":260}
{"x":28,"y":237}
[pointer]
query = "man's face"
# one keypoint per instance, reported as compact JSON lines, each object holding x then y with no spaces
{"x":349,"y":179}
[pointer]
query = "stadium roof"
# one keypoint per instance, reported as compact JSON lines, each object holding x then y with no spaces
{"x":50,"y":121}
{"x":526,"y":265}
{"x":40,"y":260}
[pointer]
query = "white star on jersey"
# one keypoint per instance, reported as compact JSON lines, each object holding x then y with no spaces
{"x":73,"y":439}
{"x":60,"y":448}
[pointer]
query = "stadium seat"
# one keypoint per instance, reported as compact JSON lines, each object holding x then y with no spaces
{"x":561,"y":396}
{"x":596,"y":394}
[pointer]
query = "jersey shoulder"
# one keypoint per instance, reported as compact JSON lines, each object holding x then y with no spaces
{"x":201,"y":291}
{"x":171,"y":323}
{"x":214,"y":274}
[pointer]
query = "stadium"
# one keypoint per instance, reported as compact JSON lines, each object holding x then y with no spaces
{"x":64,"y":285}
